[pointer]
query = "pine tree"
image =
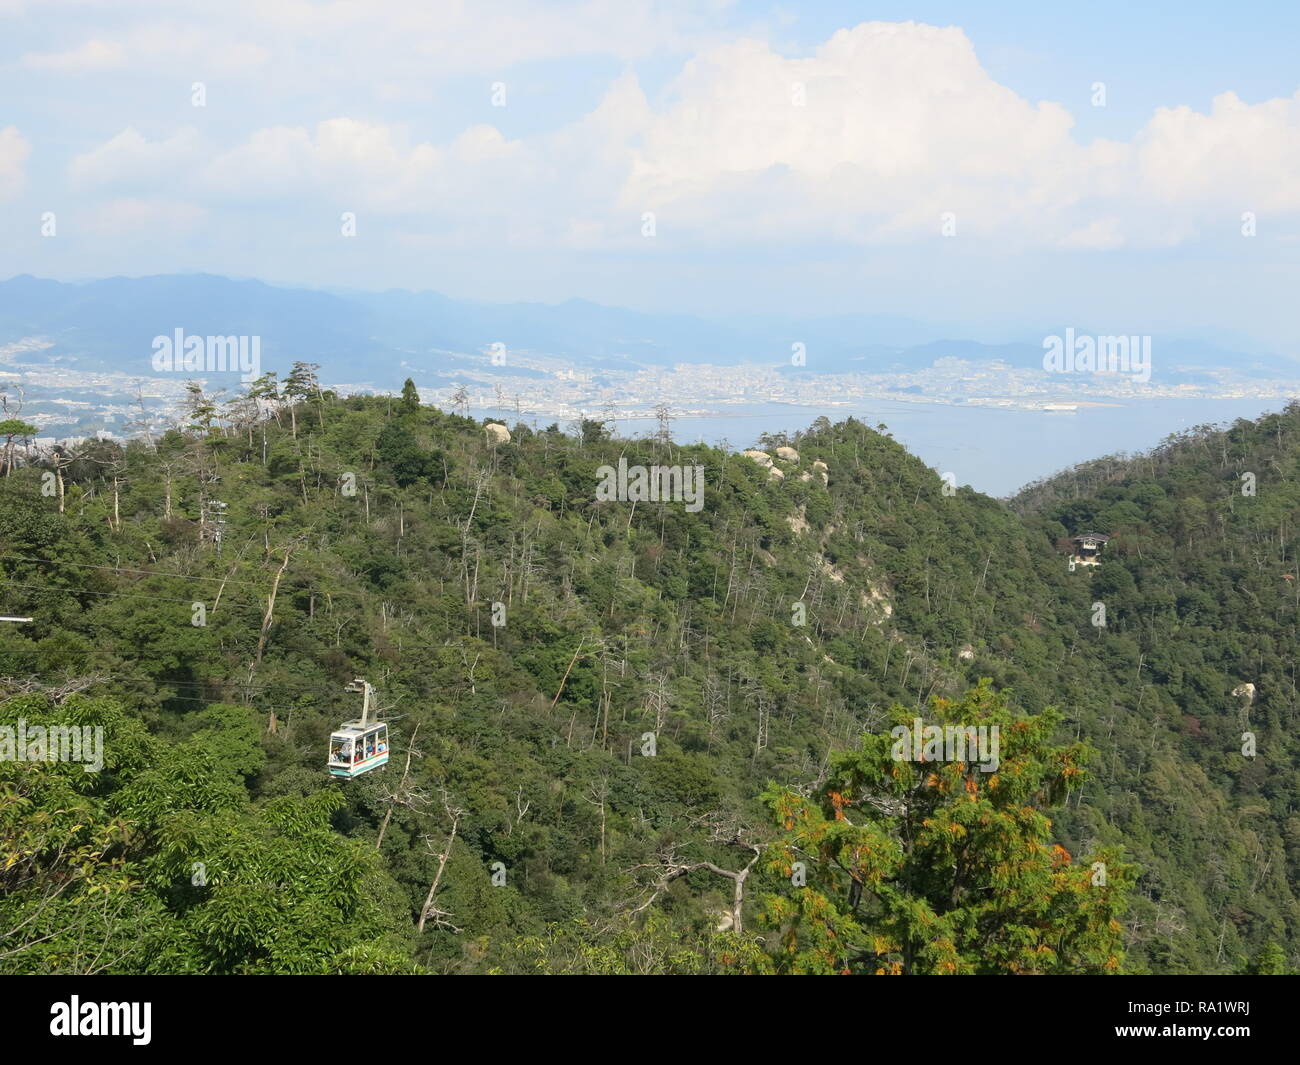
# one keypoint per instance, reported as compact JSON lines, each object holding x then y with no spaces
{"x":938,"y":867}
{"x":9,"y":429}
{"x":410,"y":398}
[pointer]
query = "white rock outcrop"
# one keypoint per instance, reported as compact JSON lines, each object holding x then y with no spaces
{"x":876,"y":599}
{"x":787,"y":454}
{"x":497,"y":433}
{"x":761,"y":457}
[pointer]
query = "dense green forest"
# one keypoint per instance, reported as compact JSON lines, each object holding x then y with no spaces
{"x":633,"y":737}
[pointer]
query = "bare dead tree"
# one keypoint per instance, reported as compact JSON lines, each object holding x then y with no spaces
{"x":56,"y":693}
{"x":715,"y":705}
{"x":60,"y":459}
{"x":522,"y":806}
{"x":564,"y":679}
{"x":658,"y":701}
{"x":144,"y":423}
{"x":598,"y":795}
{"x":269,"y":617}
{"x":408,"y":795}
{"x":430,"y":911}
{"x":668,"y":865}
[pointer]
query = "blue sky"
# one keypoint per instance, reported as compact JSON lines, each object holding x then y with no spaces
{"x":803,"y":158}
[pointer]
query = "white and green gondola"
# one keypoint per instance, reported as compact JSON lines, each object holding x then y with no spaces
{"x":359,"y":746}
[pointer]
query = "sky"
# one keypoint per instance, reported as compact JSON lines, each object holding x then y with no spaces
{"x":1008,"y":167}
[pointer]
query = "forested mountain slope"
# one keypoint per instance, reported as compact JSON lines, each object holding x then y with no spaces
{"x":1202,"y":594}
{"x":521,"y":824}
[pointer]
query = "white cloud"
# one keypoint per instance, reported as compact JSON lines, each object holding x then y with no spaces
{"x":14,"y":151}
{"x":130,"y":161}
{"x":871,"y":138}
{"x":274,"y":163}
{"x":155,"y":47}
{"x":375,"y":41}
{"x":1238,"y":156}
{"x":1101,"y":234}
{"x":462,"y":36}
{"x":868,"y":140}
{"x":889,"y":125}
{"x":92,"y":57}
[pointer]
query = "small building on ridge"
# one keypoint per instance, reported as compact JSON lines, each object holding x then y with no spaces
{"x":1087,"y":548}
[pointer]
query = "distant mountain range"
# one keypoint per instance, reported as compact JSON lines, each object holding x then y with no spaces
{"x":379,"y":338}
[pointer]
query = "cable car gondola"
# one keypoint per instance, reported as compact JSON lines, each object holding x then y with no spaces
{"x":359,"y":746}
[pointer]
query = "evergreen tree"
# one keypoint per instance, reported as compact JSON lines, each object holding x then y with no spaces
{"x":945,"y":867}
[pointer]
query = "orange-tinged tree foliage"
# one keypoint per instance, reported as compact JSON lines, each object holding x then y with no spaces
{"x":945,"y":867}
